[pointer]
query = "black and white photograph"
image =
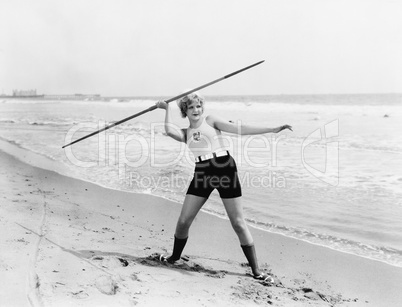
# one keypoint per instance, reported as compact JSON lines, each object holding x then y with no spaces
{"x":200,"y":153}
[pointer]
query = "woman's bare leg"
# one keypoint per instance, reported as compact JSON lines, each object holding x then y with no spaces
{"x":191,"y":206}
{"x":234,"y":210}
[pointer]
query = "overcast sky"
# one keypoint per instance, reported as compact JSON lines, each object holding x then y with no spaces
{"x":160,"y":47}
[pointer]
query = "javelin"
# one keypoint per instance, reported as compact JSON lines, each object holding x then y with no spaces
{"x":167,"y":101}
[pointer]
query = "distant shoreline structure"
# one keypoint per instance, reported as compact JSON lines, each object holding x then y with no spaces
{"x":318,"y":99}
{"x":23,"y":94}
{"x":74,"y":97}
{"x":33,"y":94}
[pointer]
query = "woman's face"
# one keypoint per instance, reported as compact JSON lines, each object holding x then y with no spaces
{"x":194,"y":110}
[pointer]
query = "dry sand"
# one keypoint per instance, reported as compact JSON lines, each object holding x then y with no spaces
{"x":66,"y":242}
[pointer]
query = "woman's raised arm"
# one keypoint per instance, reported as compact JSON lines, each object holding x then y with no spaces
{"x":231,"y":127}
{"x":171,"y":130}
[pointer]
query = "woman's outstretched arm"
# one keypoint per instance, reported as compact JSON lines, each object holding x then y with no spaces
{"x":171,"y":130}
{"x":243,"y":129}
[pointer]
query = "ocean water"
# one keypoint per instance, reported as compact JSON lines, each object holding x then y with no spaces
{"x":334,"y":181}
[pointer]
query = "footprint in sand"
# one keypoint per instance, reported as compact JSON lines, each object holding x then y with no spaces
{"x":313,"y":295}
{"x":248,"y":290}
{"x":106,"y":285}
{"x":79,"y":294}
{"x":111,"y":262}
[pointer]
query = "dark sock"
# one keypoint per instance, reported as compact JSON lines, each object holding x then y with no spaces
{"x":249,"y":251}
{"x":177,"y":249}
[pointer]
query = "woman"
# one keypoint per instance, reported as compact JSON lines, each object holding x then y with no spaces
{"x":214,"y":168}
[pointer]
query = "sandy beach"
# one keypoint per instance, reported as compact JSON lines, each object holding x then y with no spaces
{"x":66,"y":242}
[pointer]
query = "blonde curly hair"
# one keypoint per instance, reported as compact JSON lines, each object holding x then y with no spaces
{"x":185,"y":101}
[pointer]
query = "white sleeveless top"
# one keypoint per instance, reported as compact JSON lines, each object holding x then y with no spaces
{"x":204,"y":140}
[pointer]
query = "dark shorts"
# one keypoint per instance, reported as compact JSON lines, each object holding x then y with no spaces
{"x":218,"y":173}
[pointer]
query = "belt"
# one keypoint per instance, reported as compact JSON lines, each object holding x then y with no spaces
{"x":209,"y":156}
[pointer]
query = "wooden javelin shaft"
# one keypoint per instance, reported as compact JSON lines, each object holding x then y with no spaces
{"x":167,"y":101}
